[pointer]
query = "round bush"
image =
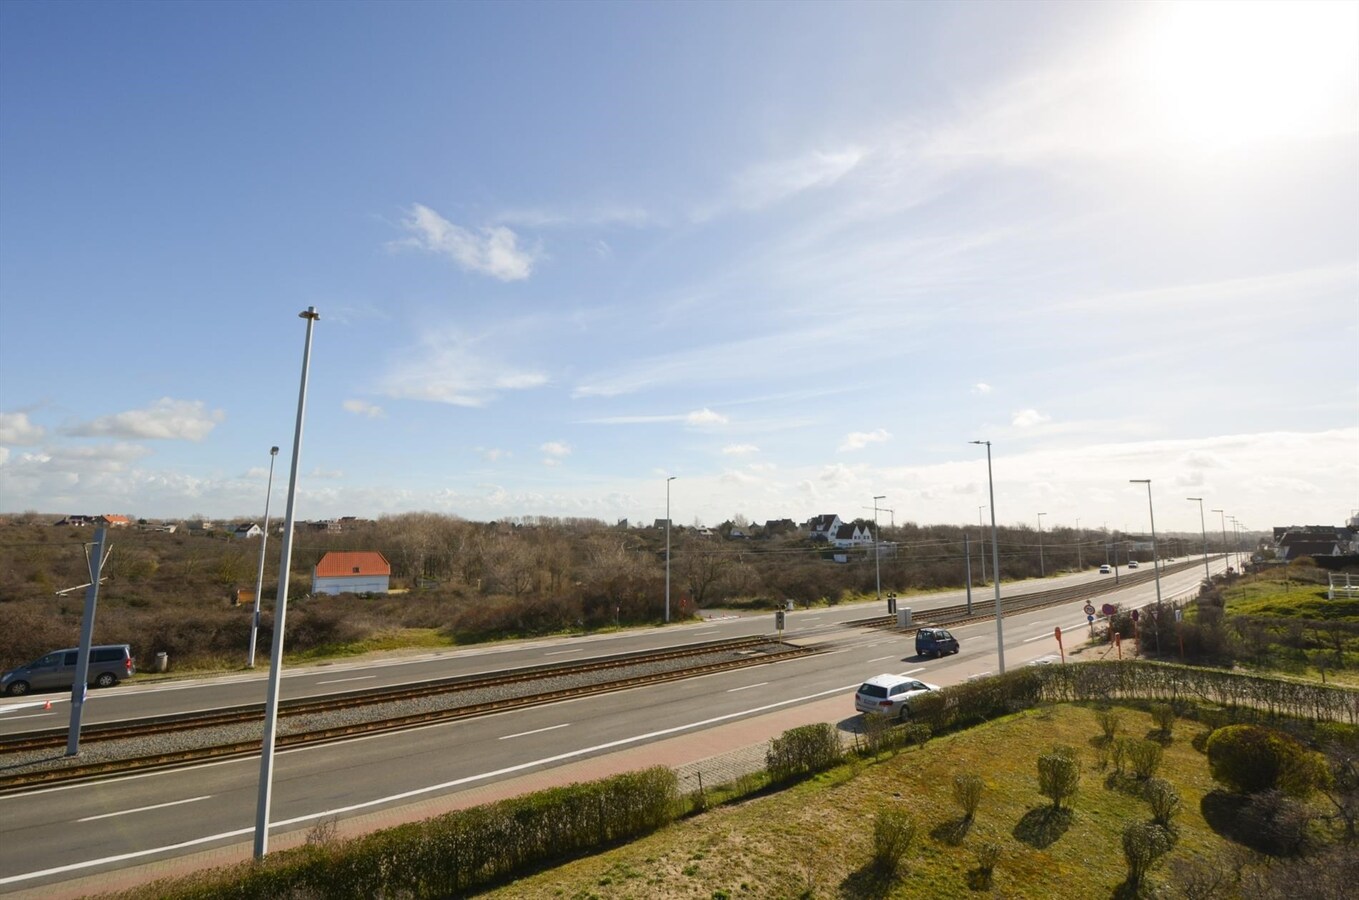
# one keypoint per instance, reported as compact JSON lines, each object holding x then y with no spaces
{"x":1249,"y":759}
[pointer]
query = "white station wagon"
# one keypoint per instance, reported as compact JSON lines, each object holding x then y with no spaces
{"x":890,"y":695}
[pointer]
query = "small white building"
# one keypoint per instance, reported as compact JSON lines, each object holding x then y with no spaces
{"x":247,"y":531}
{"x":354,"y":572}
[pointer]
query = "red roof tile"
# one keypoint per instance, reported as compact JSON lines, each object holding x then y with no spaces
{"x":361,"y":562}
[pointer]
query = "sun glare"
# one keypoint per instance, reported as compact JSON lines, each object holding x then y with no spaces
{"x":1226,"y":74}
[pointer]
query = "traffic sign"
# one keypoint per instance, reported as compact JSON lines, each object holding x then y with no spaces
{"x":1089,"y":610}
{"x":1109,"y":609}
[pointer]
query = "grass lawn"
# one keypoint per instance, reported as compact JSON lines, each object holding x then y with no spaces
{"x":814,"y":839}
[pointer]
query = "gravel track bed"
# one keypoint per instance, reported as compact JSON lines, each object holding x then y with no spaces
{"x":12,"y":764}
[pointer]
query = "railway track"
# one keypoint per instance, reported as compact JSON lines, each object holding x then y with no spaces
{"x":960,"y":614}
{"x":735,"y":653}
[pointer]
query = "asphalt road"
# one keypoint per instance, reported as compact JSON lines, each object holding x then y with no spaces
{"x":51,"y":835}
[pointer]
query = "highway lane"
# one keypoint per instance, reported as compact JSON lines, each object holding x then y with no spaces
{"x":80,"y":829}
{"x":150,"y":698}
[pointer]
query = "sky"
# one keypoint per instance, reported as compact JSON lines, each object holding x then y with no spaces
{"x":795,"y":255}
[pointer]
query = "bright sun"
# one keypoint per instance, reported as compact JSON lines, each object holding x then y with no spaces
{"x":1220,"y":75}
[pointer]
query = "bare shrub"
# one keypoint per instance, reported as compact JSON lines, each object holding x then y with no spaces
{"x":1164,"y":800}
{"x":1144,"y":843}
{"x":1059,"y":775}
{"x":1163,"y":714}
{"x":967,"y":793}
{"x":1109,"y":722}
{"x":1145,"y":757}
{"x":893,"y":834}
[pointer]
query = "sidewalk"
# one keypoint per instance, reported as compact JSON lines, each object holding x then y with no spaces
{"x":716,"y":755}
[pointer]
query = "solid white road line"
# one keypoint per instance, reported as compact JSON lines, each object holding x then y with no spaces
{"x":128,"y":812}
{"x":879,"y":658}
{"x":417,"y":792}
{"x":563,"y":652}
{"x":747,"y":687}
{"x":535,"y":731}
{"x":29,"y":716}
{"x":355,"y":678}
{"x":913,"y":671}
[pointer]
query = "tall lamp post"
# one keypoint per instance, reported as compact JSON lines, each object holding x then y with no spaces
{"x":281,"y":608}
{"x":1080,"y":558}
{"x":995,"y":561}
{"x":877,"y":545}
{"x":1225,"y":553}
{"x":667,"y":547}
{"x":259,"y":576}
{"x":982,"y":528}
{"x":1207,"y":573}
{"x":1042,"y":570}
{"x":1155,"y":559}
{"x":1236,"y":540}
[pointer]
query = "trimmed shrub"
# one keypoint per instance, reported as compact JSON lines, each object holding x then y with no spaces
{"x":967,"y":792}
{"x":1163,"y":714}
{"x":1145,"y":757}
{"x":1144,"y":843}
{"x":1059,"y":775}
{"x":1164,"y":800}
{"x":1250,"y":759}
{"x":988,"y":854}
{"x":893,"y":834}
{"x":802,"y":751}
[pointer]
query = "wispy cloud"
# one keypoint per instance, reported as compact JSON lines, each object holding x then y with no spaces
{"x":740,"y":449}
{"x":493,"y":454}
{"x":166,"y":419}
{"x":16,"y":429}
{"x":857,"y":440}
{"x":770,"y":182}
{"x":554,"y":452}
{"x":447,"y":367}
{"x":705,"y":416}
{"x":363,"y":408}
{"x":1027,"y":418}
{"x":492,"y":250}
{"x":981,"y":388}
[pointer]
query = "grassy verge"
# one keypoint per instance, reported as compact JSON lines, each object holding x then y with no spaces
{"x":814,"y":839}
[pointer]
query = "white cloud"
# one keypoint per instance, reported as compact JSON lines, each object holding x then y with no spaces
{"x":492,"y":251}
{"x":740,"y":449}
{"x":492,"y":454}
{"x":16,"y":429}
{"x":705,"y":416}
{"x":447,"y":368}
{"x":1027,"y":418}
{"x":768,"y":183}
{"x":981,"y":388}
{"x":556,"y":448}
{"x":363,"y":408}
{"x":857,"y":440}
{"x":166,"y":419}
{"x":325,"y":474}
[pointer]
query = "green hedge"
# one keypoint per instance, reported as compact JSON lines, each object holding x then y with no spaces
{"x":803,"y":751}
{"x":452,"y":853}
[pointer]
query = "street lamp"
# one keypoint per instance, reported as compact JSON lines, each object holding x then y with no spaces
{"x":667,"y":547}
{"x":1042,"y":572}
{"x":1207,"y":573}
{"x":995,"y":561}
{"x":1080,"y":558}
{"x":877,"y":544}
{"x":259,"y":576}
{"x":1225,"y":555}
{"x":1155,"y":559}
{"x":982,"y":528}
{"x":281,"y":608}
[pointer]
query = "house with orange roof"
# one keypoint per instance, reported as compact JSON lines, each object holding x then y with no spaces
{"x":114,"y":521}
{"x":351,"y":572}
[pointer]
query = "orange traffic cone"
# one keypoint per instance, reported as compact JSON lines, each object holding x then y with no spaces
{"x":47,"y":705}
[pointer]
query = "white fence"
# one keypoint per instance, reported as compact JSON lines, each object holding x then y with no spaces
{"x":1343,"y":584}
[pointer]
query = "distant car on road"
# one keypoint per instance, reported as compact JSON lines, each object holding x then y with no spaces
{"x":890,"y":695}
{"x":1104,"y":569}
{"x":1132,"y":564}
{"x":935,"y":642}
{"x":109,"y":664}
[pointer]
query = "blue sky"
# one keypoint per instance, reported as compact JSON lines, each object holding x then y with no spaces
{"x":796,"y":255}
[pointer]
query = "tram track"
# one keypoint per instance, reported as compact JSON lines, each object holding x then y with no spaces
{"x":378,"y":711}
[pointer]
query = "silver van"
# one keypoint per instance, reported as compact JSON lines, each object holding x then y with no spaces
{"x":109,"y":664}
